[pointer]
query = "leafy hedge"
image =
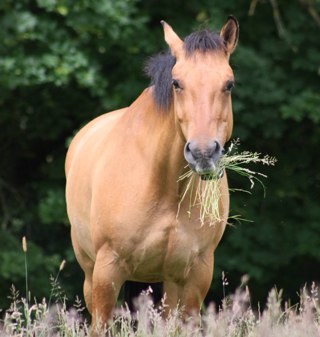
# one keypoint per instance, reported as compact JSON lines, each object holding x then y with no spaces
{"x":64,"y":62}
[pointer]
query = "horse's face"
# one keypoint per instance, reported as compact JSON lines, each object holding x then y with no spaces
{"x":202,"y":82}
{"x":202,"y":104}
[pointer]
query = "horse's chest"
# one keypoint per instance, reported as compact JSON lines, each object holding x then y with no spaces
{"x":167,"y":254}
{"x":158,"y":248}
{"x":185,"y":248}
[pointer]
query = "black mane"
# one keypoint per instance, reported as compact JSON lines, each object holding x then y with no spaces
{"x":159,"y":67}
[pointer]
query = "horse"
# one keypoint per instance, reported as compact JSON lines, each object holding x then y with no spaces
{"x":122,"y":177}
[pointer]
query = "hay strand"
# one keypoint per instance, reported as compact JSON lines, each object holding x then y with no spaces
{"x":205,"y":194}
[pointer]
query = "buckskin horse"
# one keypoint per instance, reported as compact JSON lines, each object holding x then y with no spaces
{"x":122,"y":173}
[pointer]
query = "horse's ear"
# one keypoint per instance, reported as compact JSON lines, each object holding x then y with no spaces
{"x":230,"y":34}
{"x":173,"y":40}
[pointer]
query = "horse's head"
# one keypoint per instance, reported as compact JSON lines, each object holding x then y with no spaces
{"x":202,"y":80}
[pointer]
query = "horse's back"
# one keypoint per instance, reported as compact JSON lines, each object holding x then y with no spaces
{"x":82,"y":157}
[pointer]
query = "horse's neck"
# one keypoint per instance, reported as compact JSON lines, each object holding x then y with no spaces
{"x":156,"y":136}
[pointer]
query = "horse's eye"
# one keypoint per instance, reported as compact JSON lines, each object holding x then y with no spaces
{"x":176,"y":84}
{"x":229,"y":85}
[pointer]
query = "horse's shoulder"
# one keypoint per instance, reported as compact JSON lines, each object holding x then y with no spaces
{"x":99,"y":124}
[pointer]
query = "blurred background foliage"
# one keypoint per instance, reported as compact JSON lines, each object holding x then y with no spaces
{"x":63,"y":62}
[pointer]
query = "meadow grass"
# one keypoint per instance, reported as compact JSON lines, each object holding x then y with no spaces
{"x":234,"y":319}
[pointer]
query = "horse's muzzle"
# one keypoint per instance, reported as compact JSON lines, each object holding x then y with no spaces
{"x":203,"y":159}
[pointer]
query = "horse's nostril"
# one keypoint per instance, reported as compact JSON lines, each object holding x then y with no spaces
{"x":216,"y":147}
{"x":189,"y":153}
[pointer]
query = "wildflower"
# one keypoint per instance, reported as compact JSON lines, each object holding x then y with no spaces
{"x":24,"y":244}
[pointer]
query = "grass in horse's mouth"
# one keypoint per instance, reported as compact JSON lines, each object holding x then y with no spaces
{"x":211,"y":176}
{"x":204,"y":193}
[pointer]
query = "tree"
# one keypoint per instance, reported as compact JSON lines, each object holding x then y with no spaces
{"x":64,"y":62}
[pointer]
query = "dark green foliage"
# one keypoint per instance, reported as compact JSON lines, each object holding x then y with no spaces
{"x":64,"y":62}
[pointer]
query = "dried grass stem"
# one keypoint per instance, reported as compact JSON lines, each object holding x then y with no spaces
{"x":205,"y":194}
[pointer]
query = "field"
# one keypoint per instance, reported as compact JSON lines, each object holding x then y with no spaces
{"x":234,"y":319}
{"x":54,"y":316}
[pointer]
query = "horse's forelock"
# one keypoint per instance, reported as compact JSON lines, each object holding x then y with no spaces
{"x":203,"y":41}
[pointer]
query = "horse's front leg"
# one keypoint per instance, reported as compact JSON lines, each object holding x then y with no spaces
{"x":189,"y":294}
{"x":106,"y":283}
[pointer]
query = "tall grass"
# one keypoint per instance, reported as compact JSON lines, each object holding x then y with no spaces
{"x":234,"y":319}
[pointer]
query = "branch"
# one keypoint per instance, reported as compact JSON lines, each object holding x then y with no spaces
{"x":277,"y":19}
{"x":308,"y":4}
{"x":252,"y":7}
{"x":279,"y":24}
